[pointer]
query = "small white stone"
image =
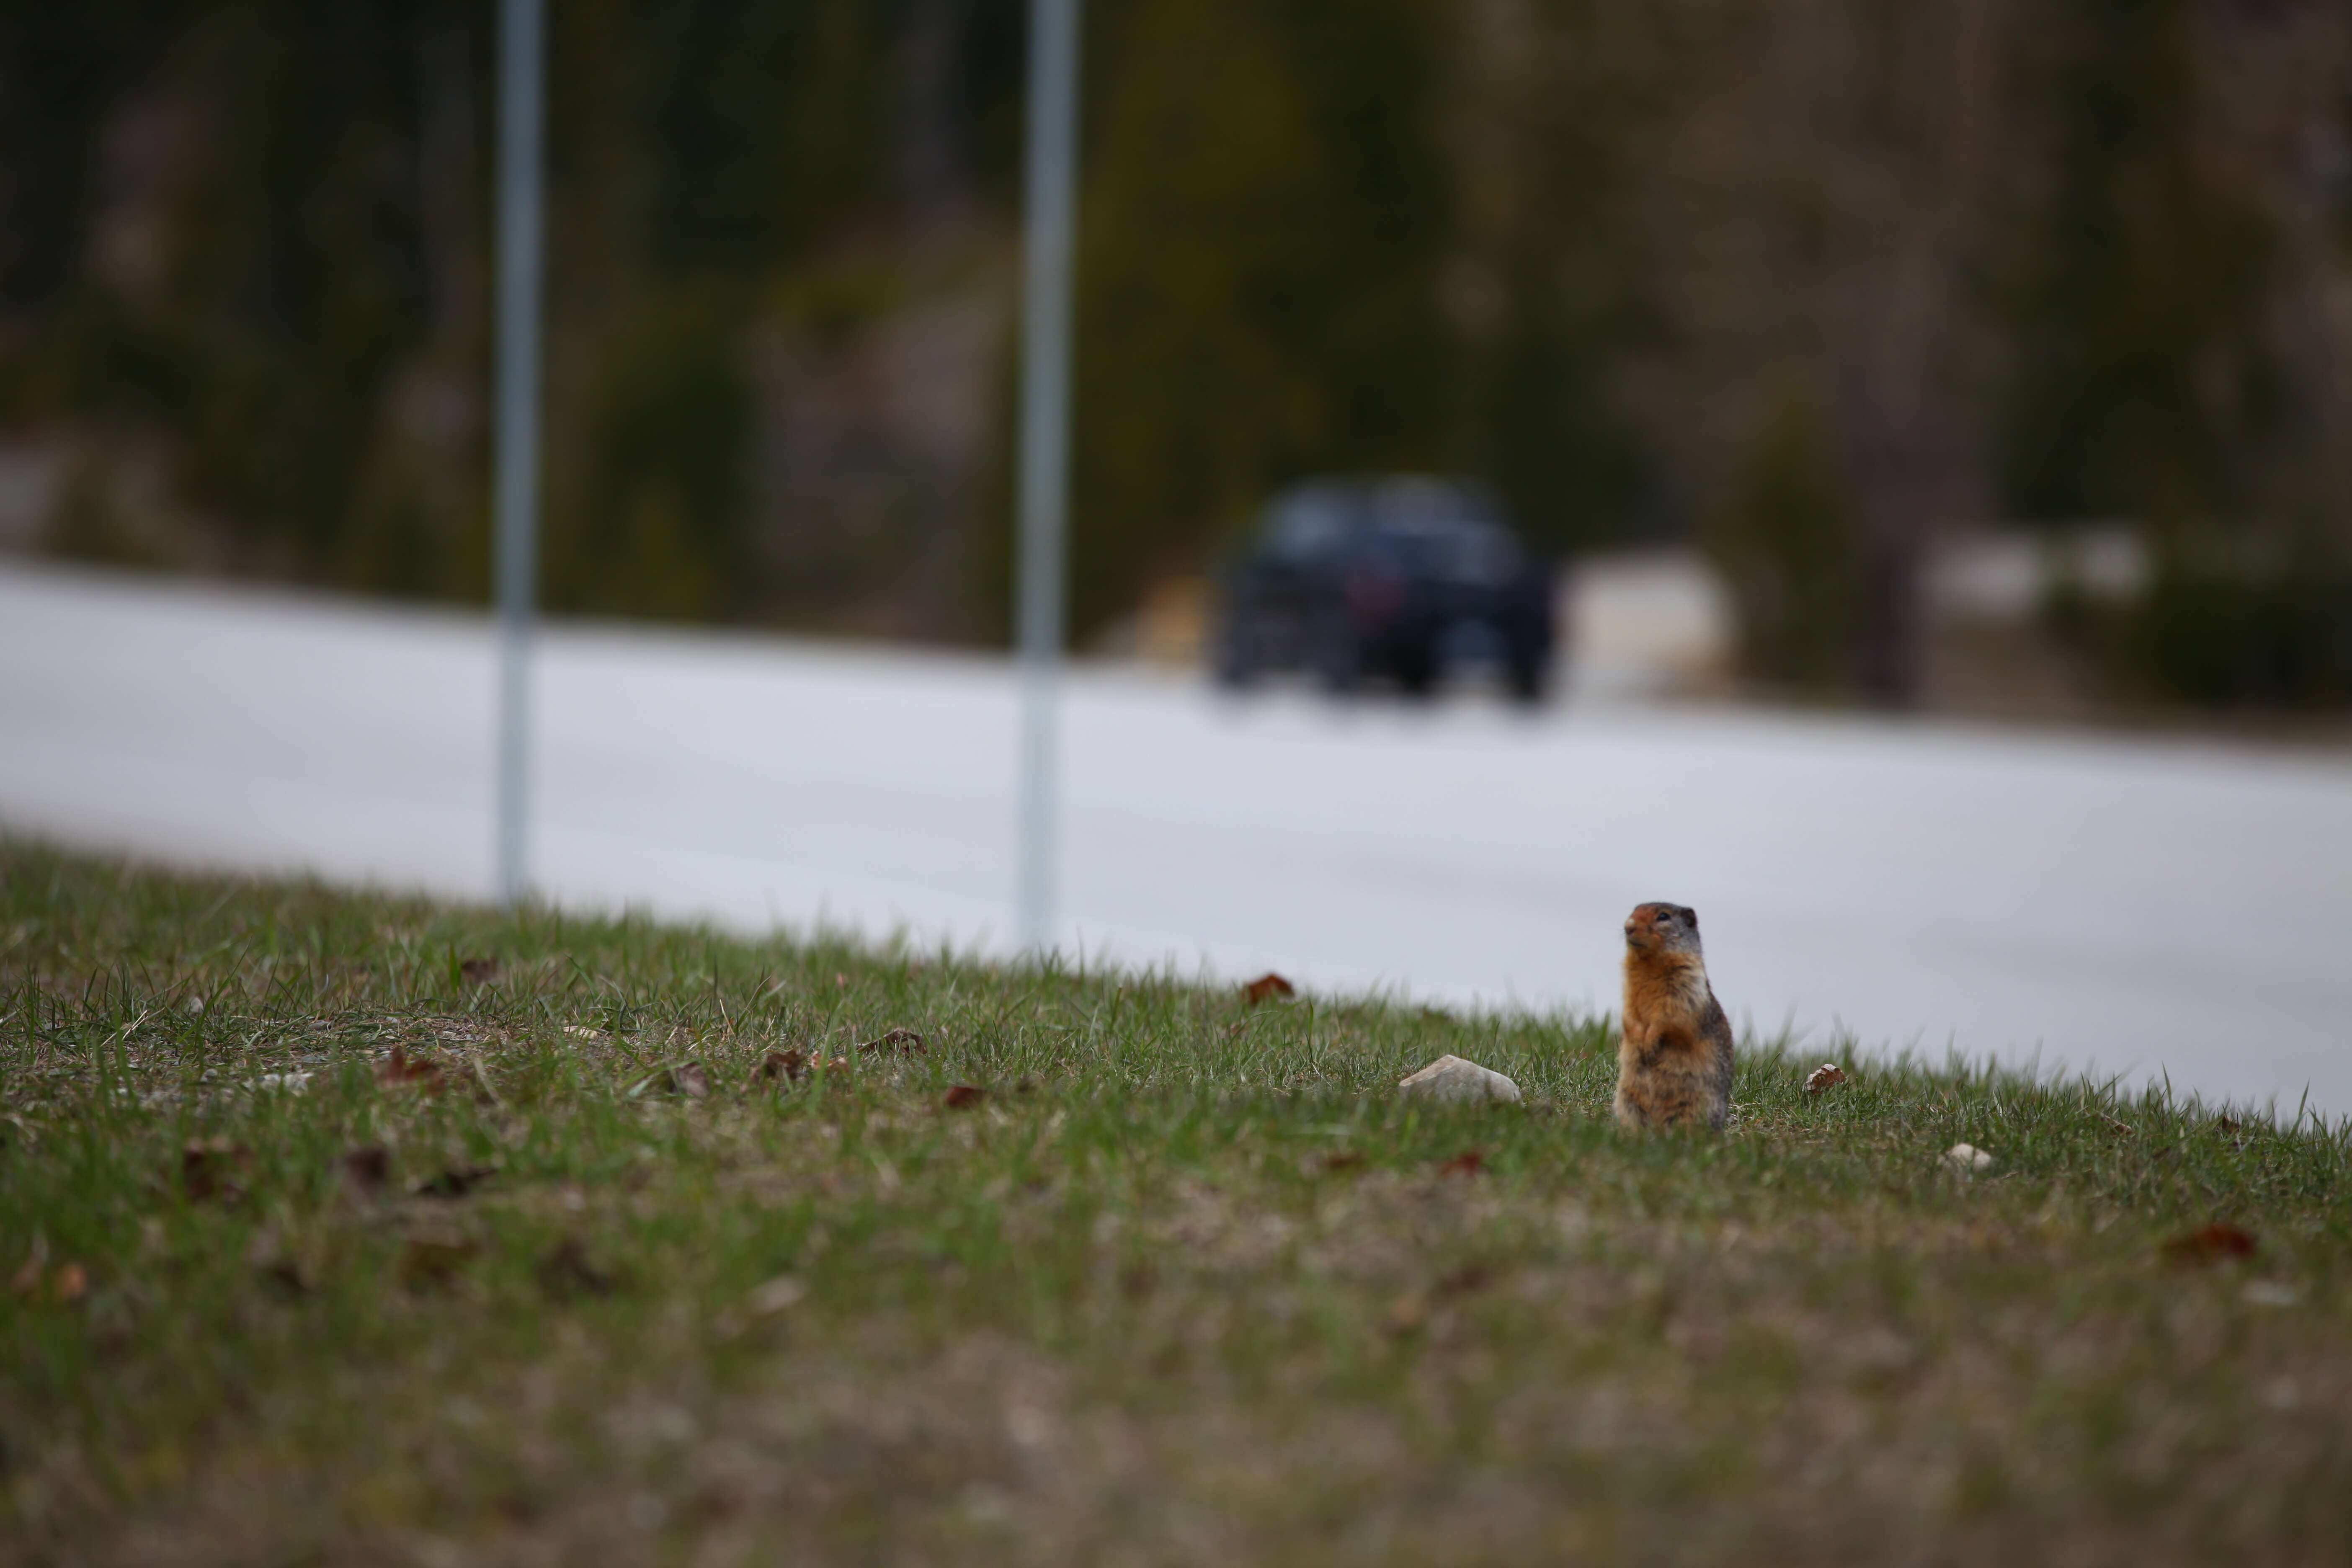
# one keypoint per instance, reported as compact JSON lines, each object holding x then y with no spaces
{"x":1968,"y":1159}
{"x":1452,"y":1081}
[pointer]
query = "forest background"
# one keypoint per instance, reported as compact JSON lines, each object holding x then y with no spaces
{"x":1814,"y":284}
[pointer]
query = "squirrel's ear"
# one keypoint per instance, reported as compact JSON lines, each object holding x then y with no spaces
{"x":1692,"y":916}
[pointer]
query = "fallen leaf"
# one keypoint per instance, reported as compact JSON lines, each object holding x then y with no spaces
{"x":434,"y":1259}
{"x":1828,"y":1075}
{"x":2220,"y":1242}
{"x":36,"y":1280}
{"x":963,"y":1096}
{"x":401,"y":1070}
{"x":208,"y":1168}
{"x":760,"y":1304}
{"x":904,"y":1042}
{"x":567,"y":1271}
{"x":1408,"y":1314}
{"x":367,"y":1168}
{"x":2226,"y":1123}
{"x":1346,"y":1160}
{"x":267,"y":1252}
{"x":587,"y":1032}
{"x":1463,"y":1281}
{"x":455,"y":1181}
{"x":687,"y":1079}
{"x":790,"y":1065}
{"x":479,"y":971}
{"x":766,"y":1300}
{"x":1266,"y":986}
{"x":1468,"y":1162}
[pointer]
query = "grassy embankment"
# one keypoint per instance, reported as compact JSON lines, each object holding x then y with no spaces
{"x":575,"y":1283}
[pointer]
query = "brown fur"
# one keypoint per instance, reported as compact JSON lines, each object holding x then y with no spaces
{"x":1674,"y":1061}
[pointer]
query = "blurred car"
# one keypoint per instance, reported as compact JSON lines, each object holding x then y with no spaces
{"x":1408,"y":580}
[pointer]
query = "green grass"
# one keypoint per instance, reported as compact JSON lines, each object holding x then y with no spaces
{"x":1188,"y":1284}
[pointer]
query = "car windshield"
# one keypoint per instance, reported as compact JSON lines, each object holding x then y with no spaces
{"x":1459,"y":547}
{"x":1427,"y":527}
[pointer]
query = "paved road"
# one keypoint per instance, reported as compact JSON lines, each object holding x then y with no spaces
{"x":2128,"y":906}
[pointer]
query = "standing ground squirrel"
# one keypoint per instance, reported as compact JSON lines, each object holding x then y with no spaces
{"x":1674,"y":1064}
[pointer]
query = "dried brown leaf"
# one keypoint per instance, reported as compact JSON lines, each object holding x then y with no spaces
{"x":1468,"y":1162}
{"x":209,"y":1168}
{"x":901,"y":1042}
{"x":456,"y":1181}
{"x":1463,"y":1281}
{"x":1346,"y":1160}
{"x":1827,"y":1076}
{"x":267,"y":1252}
{"x":568,"y":1271}
{"x":686,"y":1078}
{"x":2220,"y":1242}
{"x":367,"y":1168}
{"x":789,"y":1065}
{"x":479,"y":971}
{"x":963,"y":1096}
{"x":1267,"y":986}
{"x":35,"y":1280}
{"x":1408,"y":1314}
{"x":401,"y":1070}
{"x":434,"y":1259}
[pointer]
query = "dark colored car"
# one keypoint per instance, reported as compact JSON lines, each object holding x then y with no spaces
{"x":1410,"y":580}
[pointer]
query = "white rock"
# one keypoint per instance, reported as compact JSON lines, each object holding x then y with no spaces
{"x":1452,"y":1081}
{"x":1968,"y":1159}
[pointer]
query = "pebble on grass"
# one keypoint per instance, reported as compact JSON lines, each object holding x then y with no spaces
{"x":1451,"y":1080}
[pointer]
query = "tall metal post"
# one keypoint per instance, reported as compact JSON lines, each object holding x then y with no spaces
{"x":1044,"y":440}
{"x":521,"y":60}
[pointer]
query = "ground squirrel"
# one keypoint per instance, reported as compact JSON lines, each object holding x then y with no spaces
{"x":1674,"y":1064}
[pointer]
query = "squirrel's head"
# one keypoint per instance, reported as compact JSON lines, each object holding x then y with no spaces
{"x":1662,"y":928}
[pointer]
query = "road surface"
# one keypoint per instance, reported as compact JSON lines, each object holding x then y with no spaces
{"x":2122,"y":906}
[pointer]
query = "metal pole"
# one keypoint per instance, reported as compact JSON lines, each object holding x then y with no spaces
{"x":1044,"y":439}
{"x":521,"y":58}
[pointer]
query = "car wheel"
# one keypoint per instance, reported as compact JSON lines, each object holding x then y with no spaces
{"x":1233,"y":668}
{"x":1339,"y":662}
{"x":1416,"y":671}
{"x":1529,"y":677}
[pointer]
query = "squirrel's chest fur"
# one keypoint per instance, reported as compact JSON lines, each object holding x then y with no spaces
{"x":1674,"y":1060}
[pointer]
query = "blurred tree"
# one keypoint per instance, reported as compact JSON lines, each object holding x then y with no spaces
{"x":1264,"y":214}
{"x":1782,"y":538}
{"x":1781,"y":274}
